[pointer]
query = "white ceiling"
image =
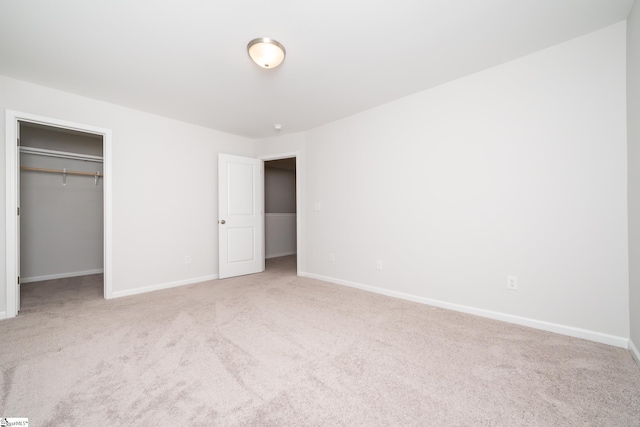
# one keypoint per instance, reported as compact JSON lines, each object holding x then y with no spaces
{"x":187,"y":59}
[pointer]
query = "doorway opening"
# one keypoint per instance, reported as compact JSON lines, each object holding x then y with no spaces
{"x":61,"y":215}
{"x":280,"y":218}
{"x":14,"y":122}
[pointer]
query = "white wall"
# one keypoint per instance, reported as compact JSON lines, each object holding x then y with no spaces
{"x":633,"y":127}
{"x":516,"y":170}
{"x":164,"y":186}
{"x":61,"y":224}
{"x":52,"y":138}
{"x":279,"y":190}
{"x":279,"y":234}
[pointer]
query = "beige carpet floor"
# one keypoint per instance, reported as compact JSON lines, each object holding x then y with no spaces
{"x":273,"y":349}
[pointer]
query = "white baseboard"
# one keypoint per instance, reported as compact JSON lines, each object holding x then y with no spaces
{"x":523,"y":321}
{"x":60,"y":276}
{"x":159,"y":286}
{"x":3,"y":315}
{"x":634,"y":352}
{"x":279,"y":255}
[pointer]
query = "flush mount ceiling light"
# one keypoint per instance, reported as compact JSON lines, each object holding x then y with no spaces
{"x":266,"y":52}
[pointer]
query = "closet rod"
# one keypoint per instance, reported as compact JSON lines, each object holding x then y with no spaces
{"x":94,"y":174}
{"x":60,"y":154}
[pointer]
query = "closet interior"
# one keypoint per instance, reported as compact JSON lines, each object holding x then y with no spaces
{"x":61,"y":203}
{"x":280,"y":208}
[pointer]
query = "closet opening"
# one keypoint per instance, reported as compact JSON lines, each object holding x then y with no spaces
{"x":280,"y":218}
{"x":61,"y":217}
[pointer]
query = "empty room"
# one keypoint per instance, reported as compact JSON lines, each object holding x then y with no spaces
{"x":407,"y":213}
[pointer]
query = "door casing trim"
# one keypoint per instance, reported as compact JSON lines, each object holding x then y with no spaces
{"x":11,"y":256}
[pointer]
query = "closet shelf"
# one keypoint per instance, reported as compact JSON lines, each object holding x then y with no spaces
{"x":60,"y":154}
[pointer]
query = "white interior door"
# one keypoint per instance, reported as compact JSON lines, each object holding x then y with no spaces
{"x":240,"y":216}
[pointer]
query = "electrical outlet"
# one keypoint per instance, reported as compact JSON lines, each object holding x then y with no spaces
{"x":187,"y":259}
{"x":379,"y":264}
{"x":332,"y":257}
{"x":512,"y":283}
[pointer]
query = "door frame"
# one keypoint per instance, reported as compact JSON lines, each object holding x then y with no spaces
{"x":11,"y":249}
{"x":299,"y":205}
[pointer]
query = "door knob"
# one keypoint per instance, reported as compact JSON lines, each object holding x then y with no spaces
{"x":222,"y":221}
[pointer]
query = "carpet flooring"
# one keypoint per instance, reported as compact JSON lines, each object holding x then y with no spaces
{"x":273,"y":349}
